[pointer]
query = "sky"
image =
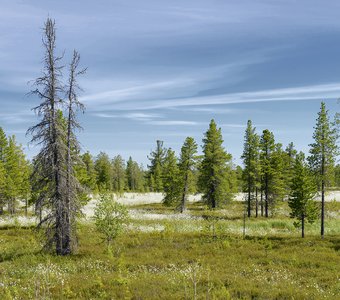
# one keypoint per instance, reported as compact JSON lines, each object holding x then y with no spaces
{"x":161,"y":70}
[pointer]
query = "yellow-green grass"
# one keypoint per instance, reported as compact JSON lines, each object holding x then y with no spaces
{"x":177,"y":255}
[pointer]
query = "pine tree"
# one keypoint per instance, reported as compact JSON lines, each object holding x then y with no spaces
{"x":25,"y":170}
{"x":156,"y":167}
{"x":104,"y":172}
{"x":267,"y":146}
{"x":277,"y":184}
{"x":13,"y":176}
{"x":3,"y":146}
{"x":86,"y":173}
{"x":215,"y":168}
{"x":187,"y":164}
{"x":250,"y":161}
{"x":303,"y":191}
{"x":289,"y":160}
{"x":323,"y":152}
{"x":171,"y":179}
{"x":135,"y":176}
{"x":118,"y":174}
{"x":2,"y":186}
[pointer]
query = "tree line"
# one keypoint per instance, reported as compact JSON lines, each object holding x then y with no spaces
{"x":270,"y":173}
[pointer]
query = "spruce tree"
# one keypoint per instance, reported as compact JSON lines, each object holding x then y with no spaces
{"x":118,"y":174}
{"x":2,"y":186}
{"x":267,"y":146}
{"x":215,"y":168}
{"x":322,"y":155}
{"x":50,"y":134}
{"x":171,"y":179}
{"x":187,"y":163}
{"x":289,"y":160}
{"x":13,"y":176}
{"x":86,"y":173}
{"x":278,"y":167}
{"x":3,"y":146}
{"x":302,"y":193}
{"x":135,"y":176}
{"x":156,"y":167}
{"x":25,"y":170}
{"x":250,"y":161}
{"x":104,"y":172}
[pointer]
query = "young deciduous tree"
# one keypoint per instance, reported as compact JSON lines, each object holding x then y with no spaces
{"x":171,"y":179}
{"x":187,"y":163}
{"x":322,"y":155}
{"x":302,"y":193}
{"x":110,"y":218}
{"x":215,"y":168}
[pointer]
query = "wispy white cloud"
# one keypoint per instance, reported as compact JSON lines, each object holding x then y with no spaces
{"x":233,"y":125}
{"x":17,"y":117}
{"x":311,"y":92}
{"x":138,"y":116}
{"x":173,"y":123}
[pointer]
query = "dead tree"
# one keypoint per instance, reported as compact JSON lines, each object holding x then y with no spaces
{"x":50,"y":134}
{"x":73,"y":187}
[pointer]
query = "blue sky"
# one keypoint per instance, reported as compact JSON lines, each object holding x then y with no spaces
{"x":163,"y":69}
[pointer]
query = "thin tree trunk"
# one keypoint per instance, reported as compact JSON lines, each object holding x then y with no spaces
{"x":261,"y":202}
{"x":256,"y":203}
{"x":323,"y":195}
{"x":266,"y":196}
{"x":184,"y":194}
{"x":26,"y":206}
{"x":249,"y":197}
{"x":303,"y":225}
{"x":322,"y":208}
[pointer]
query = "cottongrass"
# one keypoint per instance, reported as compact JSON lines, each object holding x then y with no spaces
{"x":18,"y":221}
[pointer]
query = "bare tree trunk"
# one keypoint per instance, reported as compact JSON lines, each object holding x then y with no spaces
{"x":266,"y":197}
{"x":322,"y":208}
{"x":249,"y":200}
{"x":256,"y":203}
{"x":261,"y":202}
{"x":303,"y":225}
{"x":184,"y":194}
{"x":26,"y":206}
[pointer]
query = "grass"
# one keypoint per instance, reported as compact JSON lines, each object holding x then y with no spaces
{"x":184,"y":258}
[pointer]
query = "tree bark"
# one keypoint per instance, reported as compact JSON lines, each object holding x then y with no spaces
{"x":256,"y":203}
{"x":261,"y":203}
{"x":184,"y":194}
{"x":303,"y":225}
